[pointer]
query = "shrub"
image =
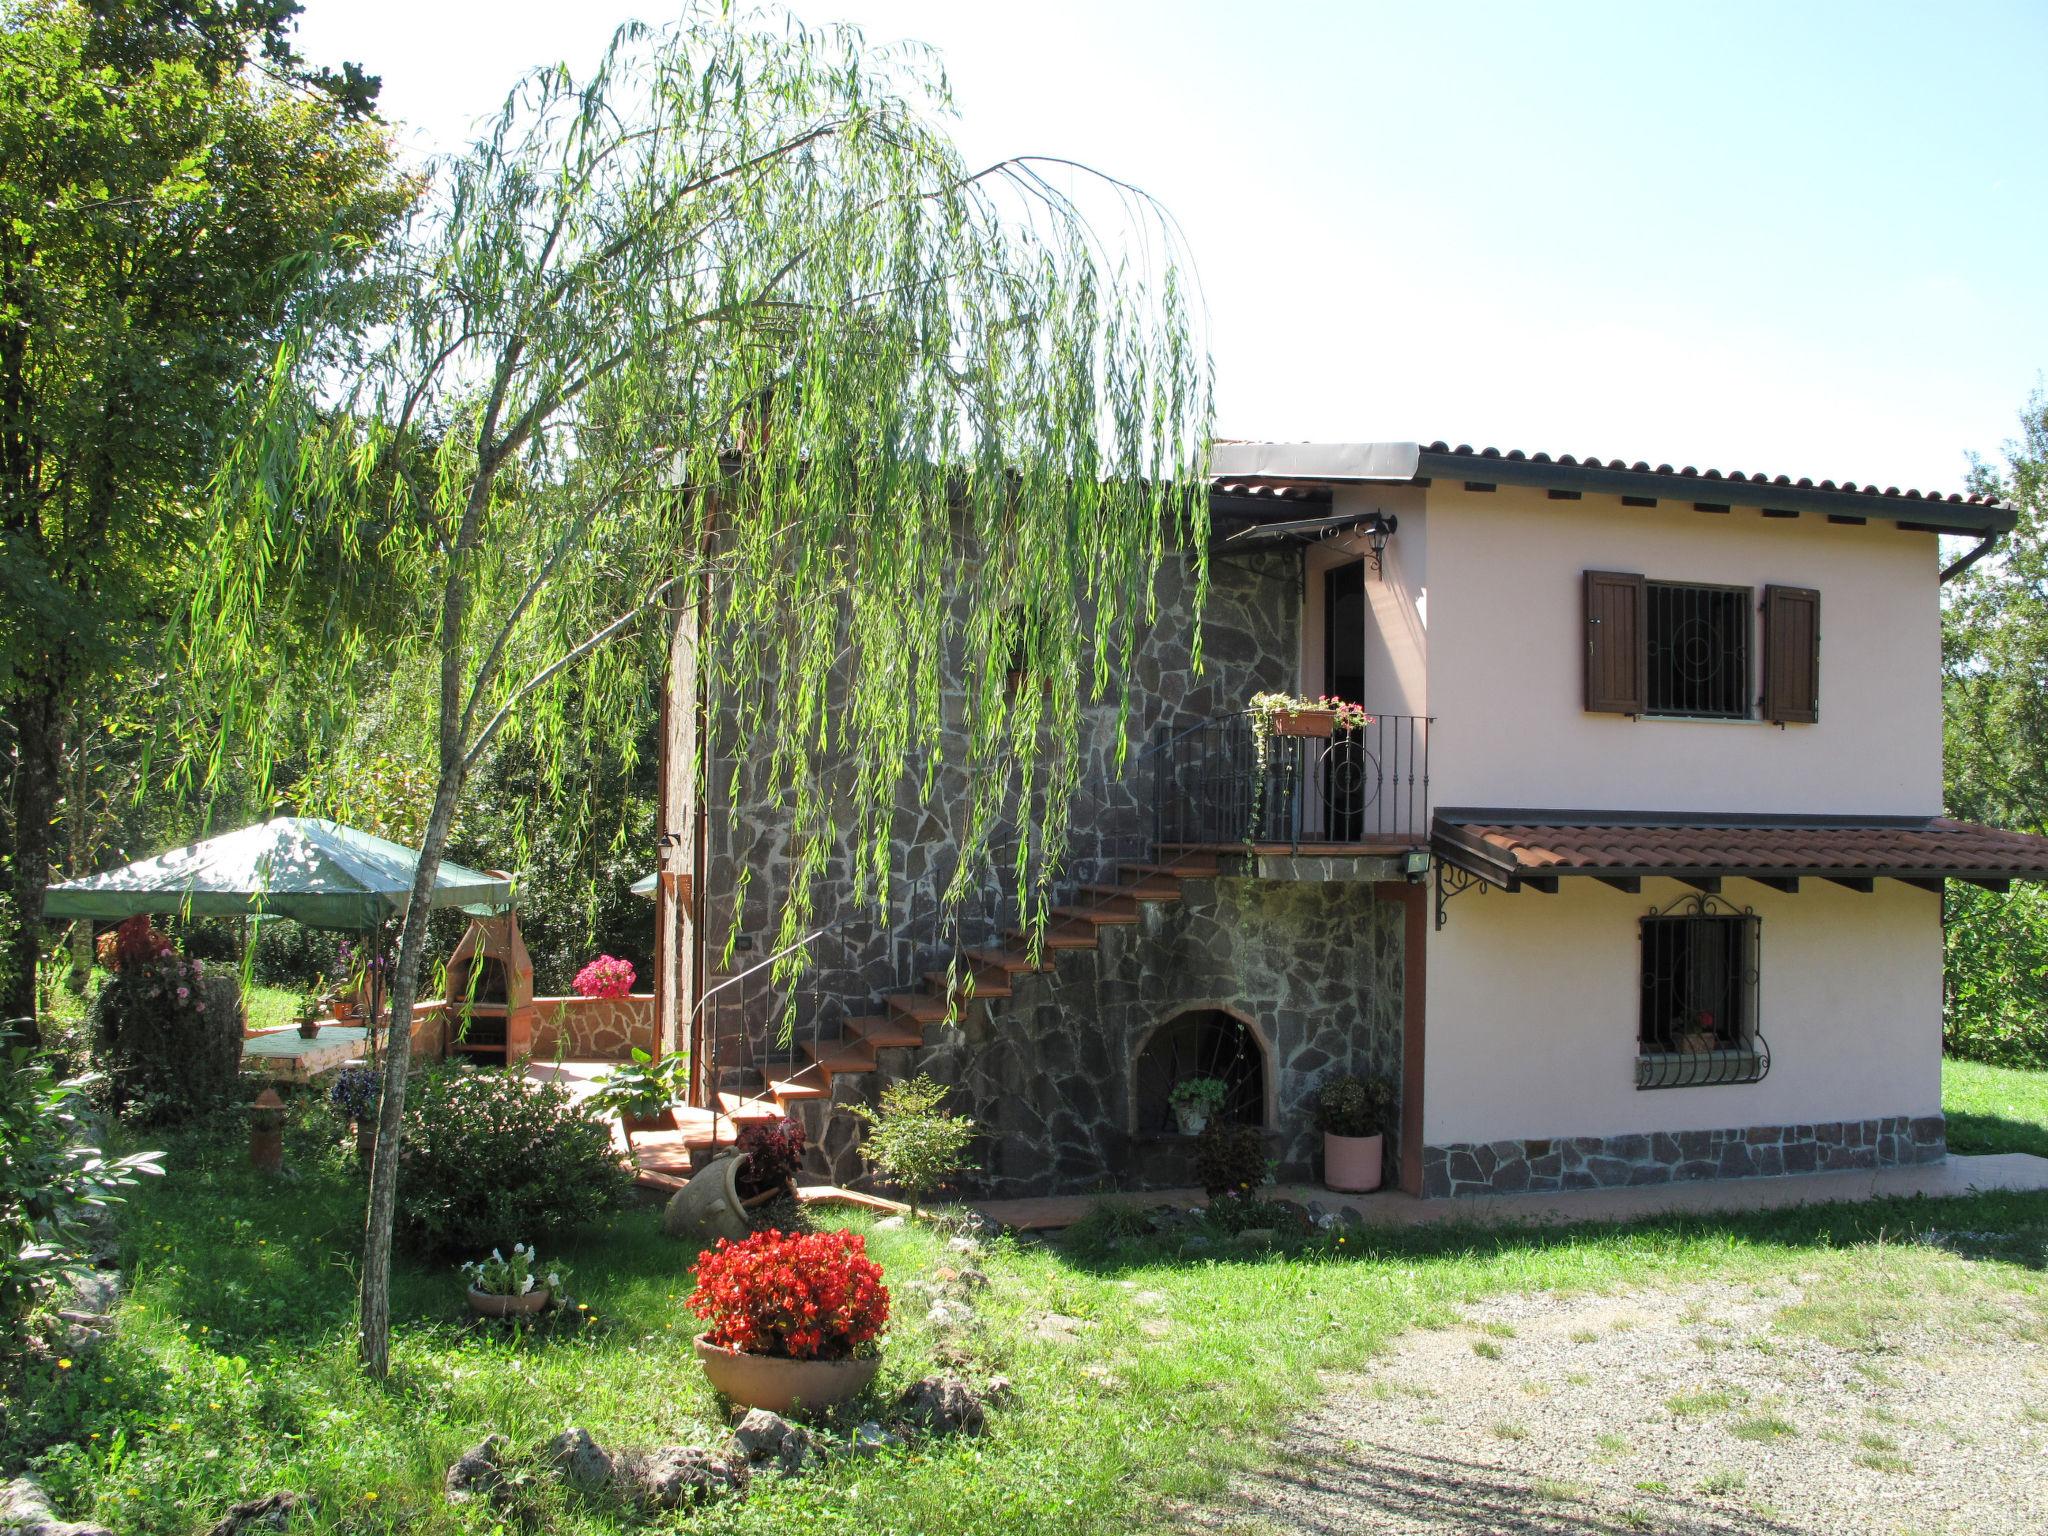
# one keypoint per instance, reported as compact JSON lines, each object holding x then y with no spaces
{"x":770,"y":1152}
{"x":799,"y":1296}
{"x":1997,"y":993}
{"x":1207,"y":1095}
{"x":917,"y":1144}
{"x":51,"y":1179}
{"x":491,"y":1157}
{"x":1230,"y":1159}
{"x":1354,"y":1106}
{"x":606,"y":976}
{"x":353,"y":1093}
{"x":167,"y":1032}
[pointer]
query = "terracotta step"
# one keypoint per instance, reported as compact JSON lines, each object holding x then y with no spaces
{"x":989,"y":981}
{"x":1205,"y":869}
{"x":738,"y":1107}
{"x":1148,"y":889}
{"x":885,"y":1034}
{"x":837,"y":1057}
{"x":799,"y":1088}
{"x":921,"y":1006}
{"x":1059,"y":936}
{"x":1011,"y":962}
{"x":1101,"y":917}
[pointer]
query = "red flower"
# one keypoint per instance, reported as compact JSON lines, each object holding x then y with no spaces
{"x":799,"y":1295}
{"x":137,"y":943}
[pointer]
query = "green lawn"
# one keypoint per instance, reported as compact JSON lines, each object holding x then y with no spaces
{"x":1995,"y":1109}
{"x":233,"y":1373}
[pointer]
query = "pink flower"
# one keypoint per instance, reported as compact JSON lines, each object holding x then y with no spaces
{"x":183,"y":993}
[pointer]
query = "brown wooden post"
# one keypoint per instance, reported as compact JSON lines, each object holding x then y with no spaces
{"x":266,"y":1132}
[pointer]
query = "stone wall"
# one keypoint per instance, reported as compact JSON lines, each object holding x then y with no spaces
{"x":1665,"y":1157}
{"x":1313,"y":968}
{"x":594,"y":1028}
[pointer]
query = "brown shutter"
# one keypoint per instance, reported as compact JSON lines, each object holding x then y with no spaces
{"x":1614,"y":643}
{"x":1791,"y":655}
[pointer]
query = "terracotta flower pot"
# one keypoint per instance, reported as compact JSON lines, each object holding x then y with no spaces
{"x":1305,"y":722}
{"x":487,"y":1305}
{"x":1351,"y":1164}
{"x":310,"y":1030}
{"x":766,"y":1381}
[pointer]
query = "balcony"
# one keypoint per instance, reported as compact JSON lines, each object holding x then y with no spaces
{"x":1227,"y":785}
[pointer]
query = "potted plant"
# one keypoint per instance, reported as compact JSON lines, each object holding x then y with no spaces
{"x":347,"y":995}
{"x":770,"y":1153}
{"x":1196,"y":1101}
{"x":795,"y":1318}
{"x":1284,"y":714}
{"x":511,"y":1287}
{"x":308,"y":1014}
{"x":1352,"y":1113}
{"x":353,"y":1095}
{"x":639,"y":1092}
{"x":1702,"y":1037}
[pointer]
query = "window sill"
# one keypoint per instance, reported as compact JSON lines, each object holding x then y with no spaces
{"x":1702,"y":719}
{"x":1701,"y":1069}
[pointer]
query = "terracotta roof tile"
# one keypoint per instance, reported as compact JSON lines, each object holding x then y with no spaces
{"x":1523,"y":844}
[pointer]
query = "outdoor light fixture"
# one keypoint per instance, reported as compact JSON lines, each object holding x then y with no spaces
{"x":1378,"y":529}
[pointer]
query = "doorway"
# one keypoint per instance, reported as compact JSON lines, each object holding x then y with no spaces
{"x":1343,"y":776}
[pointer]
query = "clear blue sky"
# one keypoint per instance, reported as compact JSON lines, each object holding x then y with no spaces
{"x":1805,"y":238}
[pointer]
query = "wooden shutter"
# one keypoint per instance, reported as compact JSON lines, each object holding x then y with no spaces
{"x":1614,"y":643}
{"x":1791,"y":655}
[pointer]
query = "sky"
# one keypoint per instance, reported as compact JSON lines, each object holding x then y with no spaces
{"x":1801,"y":238}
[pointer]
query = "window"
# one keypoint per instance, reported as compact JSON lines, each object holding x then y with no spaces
{"x":1686,"y":650}
{"x":1698,"y":1023}
{"x":1696,"y":650}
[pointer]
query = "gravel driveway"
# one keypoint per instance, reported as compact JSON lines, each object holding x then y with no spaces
{"x":1825,"y":1404}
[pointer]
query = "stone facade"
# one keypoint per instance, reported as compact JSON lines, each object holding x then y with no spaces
{"x":1312,"y":968}
{"x":1664,"y":1157}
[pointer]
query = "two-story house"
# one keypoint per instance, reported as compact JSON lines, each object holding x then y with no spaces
{"x":1634,"y":875}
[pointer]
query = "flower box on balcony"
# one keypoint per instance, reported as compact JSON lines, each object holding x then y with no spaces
{"x":1305,"y":722}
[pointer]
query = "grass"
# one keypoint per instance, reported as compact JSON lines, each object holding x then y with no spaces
{"x":1763,"y":1427}
{"x":233,"y":1370}
{"x":1995,"y":1109}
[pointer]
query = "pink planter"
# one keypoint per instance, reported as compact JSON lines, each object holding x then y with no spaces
{"x":767,"y":1381}
{"x":1351,"y":1164}
{"x":486,"y":1305}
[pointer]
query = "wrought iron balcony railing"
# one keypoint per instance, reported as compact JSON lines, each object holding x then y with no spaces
{"x":1230,"y":781}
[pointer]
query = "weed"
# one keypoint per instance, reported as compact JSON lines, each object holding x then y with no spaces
{"x":1722,"y":1482}
{"x":1486,"y":1349}
{"x":1765,"y":1426}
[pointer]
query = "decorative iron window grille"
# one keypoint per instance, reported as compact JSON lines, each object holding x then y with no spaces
{"x":1696,"y":650}
{"x":1698,"y":1024}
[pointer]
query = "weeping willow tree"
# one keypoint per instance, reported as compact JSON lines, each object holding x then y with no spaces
{"x":730,"y":316}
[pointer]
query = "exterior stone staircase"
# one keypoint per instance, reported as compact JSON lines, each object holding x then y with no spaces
{"x":790,"y":1083}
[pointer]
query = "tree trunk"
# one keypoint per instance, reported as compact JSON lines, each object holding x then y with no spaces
{"x":374,"y":1318}
{"x":38,"y":740}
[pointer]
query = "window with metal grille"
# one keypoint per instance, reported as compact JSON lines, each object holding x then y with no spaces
{"x":1696,"y":650}
{"x":1699,"y":998}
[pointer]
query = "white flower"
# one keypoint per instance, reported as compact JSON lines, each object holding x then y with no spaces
{"x":525,"y":1285}
{"x":553,"y":1279}
{"x":499,"y":1256}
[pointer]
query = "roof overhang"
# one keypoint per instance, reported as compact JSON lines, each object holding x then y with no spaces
{"x":1516,"y":848}
{"x":1243,"y":472}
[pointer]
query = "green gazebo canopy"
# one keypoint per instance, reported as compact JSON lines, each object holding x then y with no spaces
{"x":315,"y":872}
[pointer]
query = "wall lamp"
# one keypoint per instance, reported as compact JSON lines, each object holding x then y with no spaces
{"x":1379,"y":528}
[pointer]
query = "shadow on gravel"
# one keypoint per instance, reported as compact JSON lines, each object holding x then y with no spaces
{"x":1349,"y":1490}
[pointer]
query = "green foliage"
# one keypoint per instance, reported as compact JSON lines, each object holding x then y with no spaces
{"x":51,"y":1179}
{"x":642,"y":1087}
{"x":1997,"y":997}
{"x":1995,"y":1109}
{"x":168,"y":1058}
{"x":491,"y":1159}
{"x":1230,"y":1159}
{"x":1354,"y":1106}
{"x":915,"y":1143}
{"x":1207,"y":1094}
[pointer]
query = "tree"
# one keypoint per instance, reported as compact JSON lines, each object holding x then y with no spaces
{"x":172,"y":165}
{"x":914,"y":1141}
{"x":730,"y":315}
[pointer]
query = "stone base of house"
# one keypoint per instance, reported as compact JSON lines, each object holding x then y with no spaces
{"x":1664,"y":1157}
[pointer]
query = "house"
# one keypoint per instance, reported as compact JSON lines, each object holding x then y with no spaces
{"x":1635,"y":873}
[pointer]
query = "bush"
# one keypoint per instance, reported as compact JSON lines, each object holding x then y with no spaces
{"x":51,"y":1179}
{"x":1354,"y":1106}
{"x":492,"y":1158}
{"x":606,"y":976}
{"x":167,"y":1031}
{"x":917,"y":1144}
{"x":770,"y":1152}
{"x":1996,"y":1008}
{"x":798,"y":1296}
{"x":1230,"y":1159}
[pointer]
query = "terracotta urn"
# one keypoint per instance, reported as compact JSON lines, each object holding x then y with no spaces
{"x":1351,"y":1164}
{"x":485,"y":1304}
{"x":1305,"y":722}
{"x":781,"y":1386}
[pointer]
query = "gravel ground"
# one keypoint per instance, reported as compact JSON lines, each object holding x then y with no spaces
{"x":1824,"y":1405}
